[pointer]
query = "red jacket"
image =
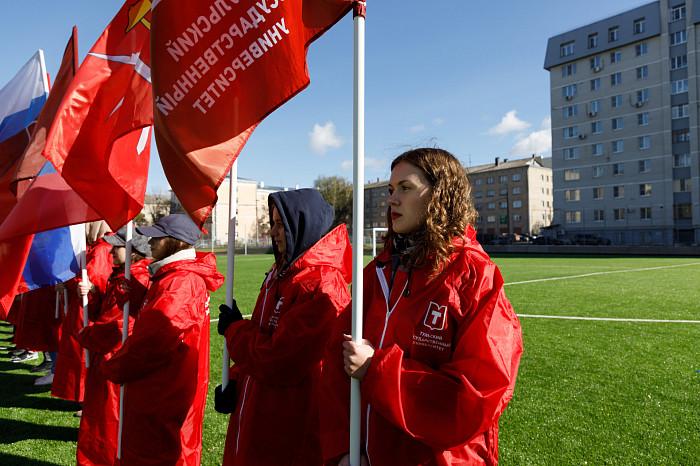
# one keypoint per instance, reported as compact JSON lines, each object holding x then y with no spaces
{"x":447,"y":354}
{"x":69,"y":375}
{"x":99,"y":424}
{"x":38,"y":328}
{"x":277,"y":356}
{"x":165,"y":366}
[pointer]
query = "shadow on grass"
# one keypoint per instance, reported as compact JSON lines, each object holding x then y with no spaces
{"x":17,"y":390}
{"x":12,"y":460}
{"x":12,"y":431}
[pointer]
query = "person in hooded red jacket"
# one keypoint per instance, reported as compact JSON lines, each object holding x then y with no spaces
{"x":69,"y":372}
{"x":165,"y":361}
{"x":442,"y":343}
{"x":99,"y":423}
{"x":273,"y":391}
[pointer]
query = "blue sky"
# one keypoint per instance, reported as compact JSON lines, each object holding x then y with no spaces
{"x":466,"y":76}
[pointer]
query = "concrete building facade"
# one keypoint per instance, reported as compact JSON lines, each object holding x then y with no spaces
{"x":624,"y":108}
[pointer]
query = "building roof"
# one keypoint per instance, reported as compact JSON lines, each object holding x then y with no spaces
{"x":506,"y":164}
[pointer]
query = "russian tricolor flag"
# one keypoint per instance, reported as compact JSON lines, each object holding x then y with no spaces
{"x":22,"y":99}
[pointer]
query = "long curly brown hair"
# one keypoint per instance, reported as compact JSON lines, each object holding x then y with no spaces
{"x":450,"y":208}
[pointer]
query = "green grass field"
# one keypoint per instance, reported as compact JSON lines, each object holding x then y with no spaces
{"x":588,"y":392}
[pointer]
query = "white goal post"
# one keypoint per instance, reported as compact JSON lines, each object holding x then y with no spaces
{"x":374,"y":239}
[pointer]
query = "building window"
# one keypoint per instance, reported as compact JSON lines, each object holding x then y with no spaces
{"x":597,"y":193}
{"x":681,"y":186}
{"x":615,"y":56}
{"x":640,"y":49}
{"x":503,"y":178}
{"x":617,"y":146}
{"x":515,"y":177}
{"x":599,"y":215}
{"x":597,"y":149}
{"x":567,"y":49}
{"x":643,"y":96}
{"x":598,"y":171}
{"x":517,"y":190}
{"x":617,"y":123}
{"x":680,"y":135}
{"x":645,"y":236}
{"x":643,"y":119}
{"x":644,"y":166}
{"x":639,"y":25}
{"x":674,"y":14}
{"x":644,"y":142}
{"x":618,"y":169}
{"x":503,"y":205}
{"x":595,"y":107}
{"x":680,"y":37}
{"x":503,"y":192}
{"x":573,"y":216}
{"x":517,"y":217}
{"x":615,"y":79}
{"x":571,"y":153}
{"x":490,"y":193}
{"x":568,"y":70}
{"x":491,"y":205}
{"x":489,"y":180}
{"x":491,"y":218}
{"x":595,"y":64}
{"x":571,"y":195}
{"x":517,"y":204}
{"x":478,"y":194}
{"x":595,"y":84}
{"x":478,"y":182}
{"x":682,"y":211}
{"x":681,"y":61}
{"x":569,"y":91}
{"x":678,"y":87}
{"x":645,"y":189}
{"x":619,"y":214}
{"x":596,"y":127}
{"x":643,"y":72}
{"x":613,"y":34}
{"x":592,"y":41}
{"x":572,"y":175}
{"x":679,"y":111}
{"x":645,"y":213}
{"x":681,"y":160}
{"x":616,"y":101}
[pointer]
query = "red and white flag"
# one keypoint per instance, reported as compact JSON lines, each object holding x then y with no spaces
{"x":219,"y":68}
{"x":107,"y":106}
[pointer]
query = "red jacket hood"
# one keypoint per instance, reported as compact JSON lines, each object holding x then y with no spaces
{"x":333,"y":250}
{"x":203,"y":265}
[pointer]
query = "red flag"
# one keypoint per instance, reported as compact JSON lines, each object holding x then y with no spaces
{"x":32,"y":160}
{"x":108,"y":100}
{"x":220,"y":67}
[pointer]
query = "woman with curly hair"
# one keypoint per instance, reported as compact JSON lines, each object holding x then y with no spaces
{"x":442,"y":343}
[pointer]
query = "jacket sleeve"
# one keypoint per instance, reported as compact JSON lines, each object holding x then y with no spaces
{"x":445,"y":408}
{"x":101,"y":337}
{"x":157,"y":332}
{"x":287,"y":356}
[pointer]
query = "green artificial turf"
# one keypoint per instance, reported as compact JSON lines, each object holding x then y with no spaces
{"x":588,"y":391}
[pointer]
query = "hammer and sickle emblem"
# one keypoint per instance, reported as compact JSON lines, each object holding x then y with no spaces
{"x":137,"y":14}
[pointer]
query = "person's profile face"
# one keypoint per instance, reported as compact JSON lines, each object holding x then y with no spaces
{"x":158,"y":251}
{"x":409,"y":194}
{"x":277,"y":232}
{"x":118,"y":255}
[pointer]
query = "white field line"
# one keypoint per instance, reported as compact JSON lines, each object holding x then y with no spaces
{"x":600,"y":273}
{"x":604,"y":318}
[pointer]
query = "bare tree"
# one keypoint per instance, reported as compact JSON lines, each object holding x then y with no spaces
{"x":337,"y":192}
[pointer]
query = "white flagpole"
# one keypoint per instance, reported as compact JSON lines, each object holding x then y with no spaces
{"x":125,"y":329}
{"x":231,"y":257}
{"x":357,"y":220}
{"x":84,"y":279}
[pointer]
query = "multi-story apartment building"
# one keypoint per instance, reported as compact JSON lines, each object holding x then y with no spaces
{"x":512,"y":196}
{"x":624,"y":99}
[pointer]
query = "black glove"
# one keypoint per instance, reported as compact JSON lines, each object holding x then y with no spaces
{"x":227,"y":316}
{"x":225,"y":401}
